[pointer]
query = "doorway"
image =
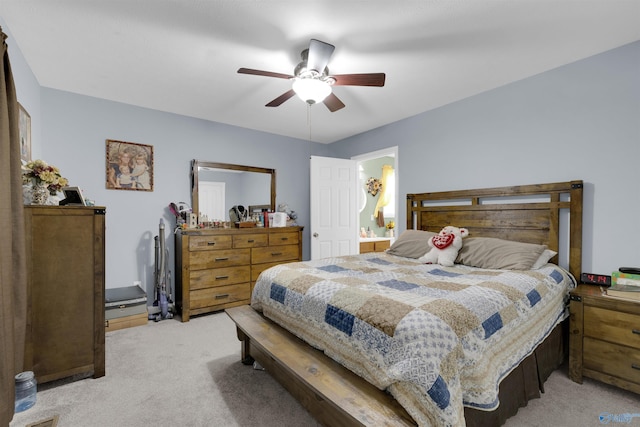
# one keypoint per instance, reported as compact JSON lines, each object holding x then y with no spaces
{"x":369,"y":165}
{"x":211,"y":200}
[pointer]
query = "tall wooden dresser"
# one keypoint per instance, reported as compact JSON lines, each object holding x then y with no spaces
{"x":216,"y":268}
{"x":65,"y":291}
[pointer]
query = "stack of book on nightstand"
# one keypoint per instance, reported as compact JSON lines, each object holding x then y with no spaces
{"x":624,"y":285}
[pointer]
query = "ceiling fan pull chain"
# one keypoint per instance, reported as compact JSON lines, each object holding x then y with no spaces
{"x":309,"y":120}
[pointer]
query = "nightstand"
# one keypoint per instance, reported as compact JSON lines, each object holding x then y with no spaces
{"x":604,"y":340}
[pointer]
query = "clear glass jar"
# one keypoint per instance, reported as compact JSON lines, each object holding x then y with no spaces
{"x":26,"y":388}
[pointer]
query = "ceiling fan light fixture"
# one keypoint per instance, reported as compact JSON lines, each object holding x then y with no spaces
{"x":312,"y":81}
{"x":311,"y":90}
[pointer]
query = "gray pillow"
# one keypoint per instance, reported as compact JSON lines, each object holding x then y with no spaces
{"x":411,"y":244}
{"x":492,"y":253}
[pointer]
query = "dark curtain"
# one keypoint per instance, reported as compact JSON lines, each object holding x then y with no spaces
{"x":13,"y":274}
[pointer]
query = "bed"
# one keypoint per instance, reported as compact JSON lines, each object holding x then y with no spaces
{"x":430,"y":345}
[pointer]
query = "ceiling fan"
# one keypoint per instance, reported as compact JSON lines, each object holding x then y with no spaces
{"x":312,"y":81}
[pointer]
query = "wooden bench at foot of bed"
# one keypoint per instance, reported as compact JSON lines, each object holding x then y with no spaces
{"x":334,"y":395}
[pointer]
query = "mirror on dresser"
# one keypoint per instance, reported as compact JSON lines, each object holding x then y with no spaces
{"x":217,"y":187}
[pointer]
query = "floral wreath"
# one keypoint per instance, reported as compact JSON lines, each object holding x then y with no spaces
{"x":373,"y":186}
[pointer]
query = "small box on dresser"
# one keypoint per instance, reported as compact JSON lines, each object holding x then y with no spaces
{"x":217,"y":267}
{"x":604,"y":342}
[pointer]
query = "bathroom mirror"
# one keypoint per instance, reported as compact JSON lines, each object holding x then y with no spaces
{"x":217,"y":187}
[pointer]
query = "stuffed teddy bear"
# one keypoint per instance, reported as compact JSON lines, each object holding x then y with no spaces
{"x":445,"y":246}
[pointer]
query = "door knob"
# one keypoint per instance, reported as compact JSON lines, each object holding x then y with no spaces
{"x":315,"y":234}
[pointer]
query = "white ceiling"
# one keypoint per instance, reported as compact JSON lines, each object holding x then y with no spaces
{"x":181,"y":56}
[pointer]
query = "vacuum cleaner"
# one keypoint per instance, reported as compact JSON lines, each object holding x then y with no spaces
{"x":162,"y":276}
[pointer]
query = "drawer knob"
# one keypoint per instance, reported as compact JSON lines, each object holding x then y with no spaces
{"x":250,"y":241}
{"x":635,"y":366}
{"x":211,"y":243}
{"x":276,"y":253}
{"x":635,"y":331}
{"x":222,"y":296}
{"x":284,"y":238}
{"x":222,"y":259}
{"x":221,"y":277}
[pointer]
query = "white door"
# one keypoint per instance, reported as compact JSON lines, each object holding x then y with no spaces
{"x":334,"y":215}
{"x":211,"y":200}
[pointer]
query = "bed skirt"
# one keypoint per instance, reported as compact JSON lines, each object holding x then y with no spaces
{"x":526,"y":381}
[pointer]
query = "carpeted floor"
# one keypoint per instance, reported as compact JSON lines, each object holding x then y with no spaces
{"x":189,"y":374}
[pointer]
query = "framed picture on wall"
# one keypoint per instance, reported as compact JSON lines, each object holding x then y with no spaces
{"x":25,"y":133}
{"x":129,"y":166}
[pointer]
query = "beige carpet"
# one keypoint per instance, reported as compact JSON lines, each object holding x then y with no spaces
{"x":189,"y":374}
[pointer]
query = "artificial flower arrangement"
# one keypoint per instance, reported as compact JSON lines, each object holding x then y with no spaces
{"x":373,"y":186}
{"x":39,"y":172}
{"x":391,"y":225}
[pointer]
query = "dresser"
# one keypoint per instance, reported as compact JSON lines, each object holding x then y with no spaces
{"x":604,"y":340}
{"x":65,"y":291}
{"x":216,"y":268}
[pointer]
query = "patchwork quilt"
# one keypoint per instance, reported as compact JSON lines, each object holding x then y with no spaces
{"x":437,"y":338}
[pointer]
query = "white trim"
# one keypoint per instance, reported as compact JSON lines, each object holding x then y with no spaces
{"x":391,"y":152}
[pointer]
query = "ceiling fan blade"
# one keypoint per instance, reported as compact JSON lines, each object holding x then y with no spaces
{"x":319,"y":54}
{"x":282,"y":98}
{"x":333,"y":103}
{"x":264,"y":73}
{"x":371,"y":79}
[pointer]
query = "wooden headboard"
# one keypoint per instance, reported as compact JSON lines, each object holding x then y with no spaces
{"x":524,"y":213}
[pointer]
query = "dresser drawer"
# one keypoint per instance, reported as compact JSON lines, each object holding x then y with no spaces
{"x":201,"y":279}
{"x":250,"y":241}
{"x":612,"y":359}
{"x":256,"y":269}
{"x":290,"y":238}
{"x":210,"y":243}
{"x":612,"y":326}
{"x":217,"y":259}
{"x":219,"y":295}
{"x":274,"y":254}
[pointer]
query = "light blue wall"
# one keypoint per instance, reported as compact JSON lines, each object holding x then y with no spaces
{"x":76,"y":128}
{"x":27,"y":87}
{"x":580,"y":121}
{"x":70,"y":131}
